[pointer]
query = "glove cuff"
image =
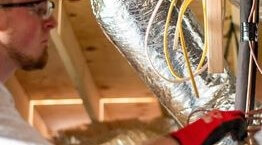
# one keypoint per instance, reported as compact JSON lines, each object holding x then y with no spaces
{"x":201,"y":130}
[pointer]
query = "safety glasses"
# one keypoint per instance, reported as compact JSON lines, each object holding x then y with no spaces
{"x":43,"y":8}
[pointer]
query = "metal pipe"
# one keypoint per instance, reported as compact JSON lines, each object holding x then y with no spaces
{"x":243,"y":60}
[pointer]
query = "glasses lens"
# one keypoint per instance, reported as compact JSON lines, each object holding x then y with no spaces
{"x":50,"y":8}
{"x":45,"y":9}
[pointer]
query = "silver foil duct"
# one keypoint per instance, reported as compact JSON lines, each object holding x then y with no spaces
{"x":125,"y":23}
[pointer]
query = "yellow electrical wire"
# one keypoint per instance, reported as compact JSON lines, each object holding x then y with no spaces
{"x":183,"y":8}
{"x":147,"y":55}
{"x":179,"y":28}
{"x":189,"y":69}
{"x":183,"y":45}
{"x":167,"y":56}
{"x":179,"y":33}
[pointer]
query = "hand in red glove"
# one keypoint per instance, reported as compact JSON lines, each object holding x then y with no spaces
{"x":212,"y":127}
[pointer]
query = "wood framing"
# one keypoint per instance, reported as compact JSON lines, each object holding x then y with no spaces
{"x":70,"y":52}
{"x":215,"y":35}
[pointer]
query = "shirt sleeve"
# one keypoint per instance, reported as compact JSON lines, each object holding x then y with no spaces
{"x":258,"y":137}
{"x":14,"y":130}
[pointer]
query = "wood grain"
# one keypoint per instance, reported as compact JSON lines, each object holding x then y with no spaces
{"x":215,"y":36}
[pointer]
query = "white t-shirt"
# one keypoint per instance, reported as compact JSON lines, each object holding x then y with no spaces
{"x":258,"y":137}
{"x":13,"y":129}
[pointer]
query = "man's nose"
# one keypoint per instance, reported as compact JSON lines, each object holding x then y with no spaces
{"x":49,"y":23}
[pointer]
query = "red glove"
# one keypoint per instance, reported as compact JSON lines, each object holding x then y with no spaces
{"x":212,"y":127}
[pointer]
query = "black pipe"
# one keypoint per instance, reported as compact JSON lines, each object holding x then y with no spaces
{"x":254,"y":69}
{"x":243,"y":61}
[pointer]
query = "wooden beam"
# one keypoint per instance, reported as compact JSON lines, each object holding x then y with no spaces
{"x":35,"y":119}
{"x":71,"y":54}
{"x":40,"y":125}
{"x":105,"y":101}
{"x":215,"y":35}
{"x":236,"y":3}
{"x":235,"y":15}
{"x":22,"y":105}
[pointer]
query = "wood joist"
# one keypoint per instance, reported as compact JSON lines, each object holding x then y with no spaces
{"x":73,"y":59}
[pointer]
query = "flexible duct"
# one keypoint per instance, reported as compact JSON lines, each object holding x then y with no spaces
{"x":125,"y":23}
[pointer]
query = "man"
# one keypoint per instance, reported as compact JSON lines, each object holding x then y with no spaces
{"x":24,"y":31}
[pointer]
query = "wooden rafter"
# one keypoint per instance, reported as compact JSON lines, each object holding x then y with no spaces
{"x":215,"y":35}
{"x":70,"y":52}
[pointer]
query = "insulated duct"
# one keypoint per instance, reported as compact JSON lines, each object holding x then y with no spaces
{"x":125,"y":23}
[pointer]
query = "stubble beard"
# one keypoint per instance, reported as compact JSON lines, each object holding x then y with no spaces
{"x":29,"y":63}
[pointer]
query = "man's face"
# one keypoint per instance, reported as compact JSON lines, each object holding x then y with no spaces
{"x":25,"y":36}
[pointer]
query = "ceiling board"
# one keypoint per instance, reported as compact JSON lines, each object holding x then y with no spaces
{"x":113,"y":76}
{"x":141,"y":111}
